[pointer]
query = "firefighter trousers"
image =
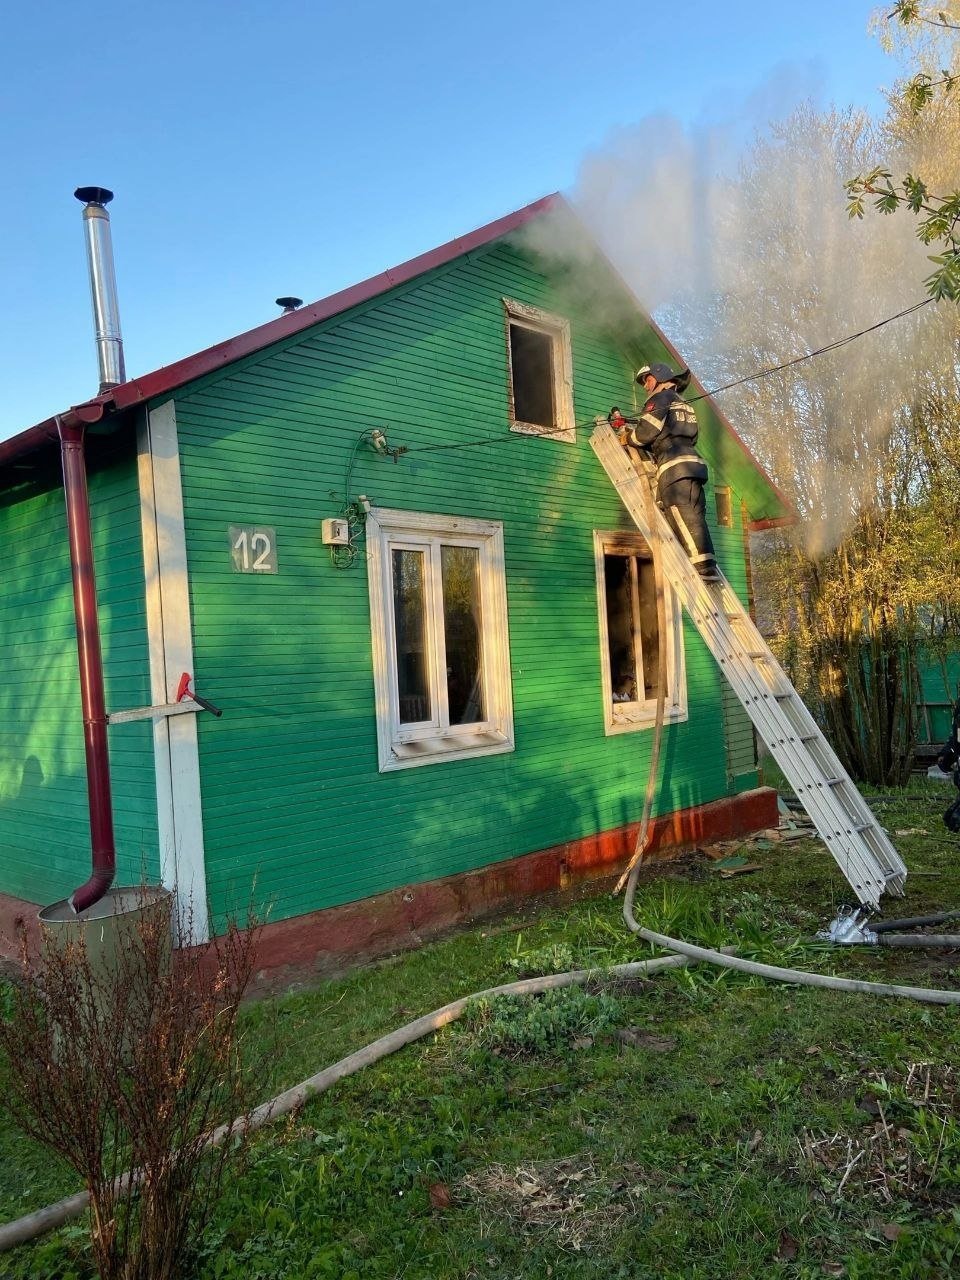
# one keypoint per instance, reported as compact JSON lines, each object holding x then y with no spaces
{"x":685,"y":507}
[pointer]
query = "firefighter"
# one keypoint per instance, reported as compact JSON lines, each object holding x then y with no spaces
{"x":667,"y":431}
{"x":949,"y":762}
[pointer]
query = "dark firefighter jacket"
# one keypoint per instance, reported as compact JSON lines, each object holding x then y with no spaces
{"x":667,"y":429}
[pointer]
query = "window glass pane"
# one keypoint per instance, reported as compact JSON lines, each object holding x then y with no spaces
{"x":649,"y":631}
{"x":619,"y":594}
{"x":531,"y":364}
{"x":409,"y":611}
{"x":462,"y":627}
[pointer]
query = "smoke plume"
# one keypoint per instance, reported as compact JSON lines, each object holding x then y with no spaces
{"x":746,"y":257}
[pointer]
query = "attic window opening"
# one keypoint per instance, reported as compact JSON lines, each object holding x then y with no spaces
{"x":531,"y":367}
{"x":540,"y":370}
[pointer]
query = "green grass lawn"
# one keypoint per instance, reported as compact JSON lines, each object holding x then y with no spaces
{"x":697,"y":1125}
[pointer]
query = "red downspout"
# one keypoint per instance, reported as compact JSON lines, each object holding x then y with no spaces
{"x":71,"y":427}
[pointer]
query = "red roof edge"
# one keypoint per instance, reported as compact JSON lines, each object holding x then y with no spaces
{"x":169,"y":377}
{"x":792,"y":516}
{"x":43,"y":433}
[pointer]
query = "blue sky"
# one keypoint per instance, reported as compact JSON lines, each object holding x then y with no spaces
{"x":261,"y":149}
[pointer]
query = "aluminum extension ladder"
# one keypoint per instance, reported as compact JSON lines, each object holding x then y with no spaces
{"x":845,"y":822}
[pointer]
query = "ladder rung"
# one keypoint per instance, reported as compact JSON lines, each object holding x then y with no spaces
{"x":861,"y":848}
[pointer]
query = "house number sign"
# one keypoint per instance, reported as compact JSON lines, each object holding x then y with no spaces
{"x":253,"y":548}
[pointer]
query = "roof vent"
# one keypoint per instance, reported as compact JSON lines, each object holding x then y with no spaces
{"x":103,"y":285}
{"x":289,"y":304}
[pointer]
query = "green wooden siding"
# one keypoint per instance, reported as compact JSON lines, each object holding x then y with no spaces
{"x":291,"y":792}
{"x":939,"y":672}
{"x":44,"y":819}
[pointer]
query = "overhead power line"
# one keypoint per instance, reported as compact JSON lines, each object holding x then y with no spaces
{"x":809,"y":355}
{"x":753,"y":377}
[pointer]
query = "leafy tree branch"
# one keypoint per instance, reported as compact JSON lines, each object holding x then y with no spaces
{"x":938,"y":216}
{"x":908,"y":12}
{"x":939,"y":221}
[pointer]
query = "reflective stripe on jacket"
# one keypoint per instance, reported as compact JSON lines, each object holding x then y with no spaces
{"x":667,"y":429}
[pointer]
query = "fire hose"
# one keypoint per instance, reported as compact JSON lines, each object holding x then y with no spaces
{"x":55,"y":1215}
{"x":706,"y":955}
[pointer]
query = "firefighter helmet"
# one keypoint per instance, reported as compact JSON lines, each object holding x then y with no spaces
{"x":663,"y":373}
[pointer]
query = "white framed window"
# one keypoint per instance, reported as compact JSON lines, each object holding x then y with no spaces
{"x":540,"y":365}
{"x":629,"y":635}
{"x":441,"y":657}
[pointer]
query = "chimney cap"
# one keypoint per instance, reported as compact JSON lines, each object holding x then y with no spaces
{"x":94,"y":195}
{"x":289,"y":304}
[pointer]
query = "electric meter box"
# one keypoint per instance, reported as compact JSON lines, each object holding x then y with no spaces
{"x":335,"y":532}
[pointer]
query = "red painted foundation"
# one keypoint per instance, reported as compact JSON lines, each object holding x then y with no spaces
{"x":324,"y":941}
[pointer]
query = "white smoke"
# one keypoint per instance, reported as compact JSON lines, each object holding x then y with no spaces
{"x":747,"y":257}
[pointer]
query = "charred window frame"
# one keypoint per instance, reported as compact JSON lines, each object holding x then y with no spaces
{"x":539,"y":372}
{"x":629,"y":636}
{"x":441,"y":657}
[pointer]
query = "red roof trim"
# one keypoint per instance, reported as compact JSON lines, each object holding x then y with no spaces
{"x":169,"y":377}
{"x":791,"y":517}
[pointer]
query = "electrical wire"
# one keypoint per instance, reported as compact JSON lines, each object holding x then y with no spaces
{"x":344,"y":557}
{"x":713,"y":391}
{"x":830,"y":346}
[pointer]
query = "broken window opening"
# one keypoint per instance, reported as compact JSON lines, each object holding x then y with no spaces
{"x":532,"y":373}
{"x":540,"y":372}
{"x":631,"y":638}
{"x":632,"y":631}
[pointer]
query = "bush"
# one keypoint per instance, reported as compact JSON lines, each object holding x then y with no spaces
{"x":123,"y":1071}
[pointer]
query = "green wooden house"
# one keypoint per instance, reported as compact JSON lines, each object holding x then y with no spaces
{"x":447,"y":709}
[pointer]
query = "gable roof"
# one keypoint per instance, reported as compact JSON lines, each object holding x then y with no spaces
{"x":137,"y":391}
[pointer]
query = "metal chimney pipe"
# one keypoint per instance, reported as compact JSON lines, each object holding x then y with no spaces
{"x":103,"y":285}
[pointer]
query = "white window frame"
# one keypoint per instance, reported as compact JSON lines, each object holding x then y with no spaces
{"x":625,"y":717}
{"x":558,"y":330}
{"x":402,"y":746}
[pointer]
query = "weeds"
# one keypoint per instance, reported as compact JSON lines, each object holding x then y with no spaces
{"x":688,"y":1105}
{"x":911,"y":1152}
{"x":519,"y":1026}
{"x":554,"y":958}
